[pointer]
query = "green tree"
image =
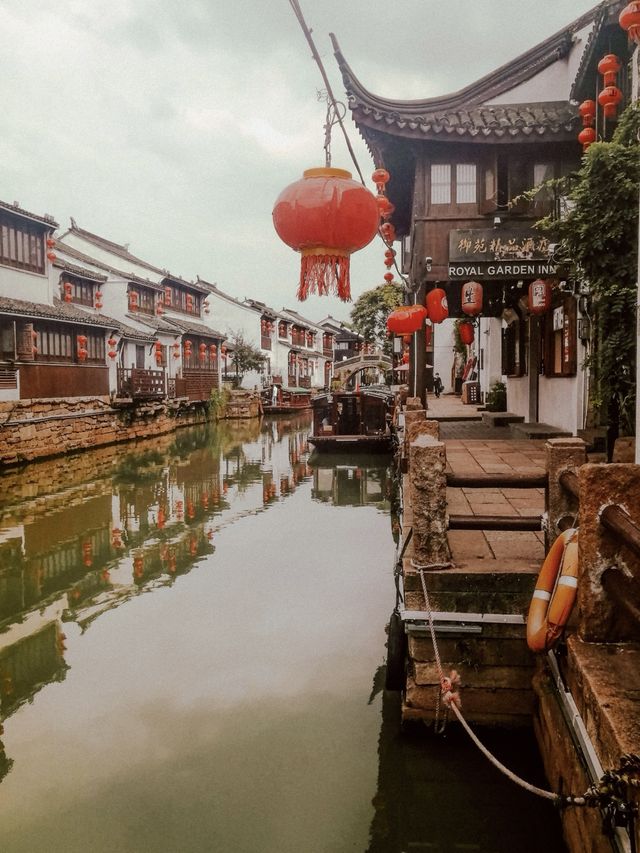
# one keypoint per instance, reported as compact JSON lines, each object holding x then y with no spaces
{"x":600,"y":235}
{"x":244,"y":356}
{"x":371,"y":309}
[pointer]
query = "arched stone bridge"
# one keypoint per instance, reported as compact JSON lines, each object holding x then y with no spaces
{"x":344,"y":370}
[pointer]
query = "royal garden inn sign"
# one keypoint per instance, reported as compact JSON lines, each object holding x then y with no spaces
{"x":499,"y":254}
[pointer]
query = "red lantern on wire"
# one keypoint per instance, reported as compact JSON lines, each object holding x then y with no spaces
{"x":629,"y":20}
{"x":587,"y":110}
{"x":437,"y":306}
{"x":587,"y":137}
{"x":609,"y":99}
{"x":213,"y":349}
{"x":68,"y":291}
{"x":539,"y":296}
{"x":466,"y":333}
{"x":326,"y":217}
{"x":202,"y":349}
{"x":471,"y":298}
{"x":609,"y":66}
{"x":388,"y":231}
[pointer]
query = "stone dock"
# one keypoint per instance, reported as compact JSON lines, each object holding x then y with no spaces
{"x":463,"y":481}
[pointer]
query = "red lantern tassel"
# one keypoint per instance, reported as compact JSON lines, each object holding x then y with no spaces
{"x":324,"y":274}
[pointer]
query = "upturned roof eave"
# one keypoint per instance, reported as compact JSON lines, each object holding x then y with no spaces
{"x":501,"y":80}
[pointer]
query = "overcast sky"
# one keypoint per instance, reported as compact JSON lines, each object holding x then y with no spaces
{"x":173,"y":126}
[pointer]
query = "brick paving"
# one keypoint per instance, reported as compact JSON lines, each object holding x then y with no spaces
{"x":475,"y":448}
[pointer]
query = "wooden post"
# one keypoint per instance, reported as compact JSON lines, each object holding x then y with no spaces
{"x":428,"y":494}
{"x":602,"y":553}
{"x":563,"y":454}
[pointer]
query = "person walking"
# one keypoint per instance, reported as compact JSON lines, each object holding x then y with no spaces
{"x":438,"y":387}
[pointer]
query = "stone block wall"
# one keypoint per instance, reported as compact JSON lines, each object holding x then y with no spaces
{"x":36,"y":429}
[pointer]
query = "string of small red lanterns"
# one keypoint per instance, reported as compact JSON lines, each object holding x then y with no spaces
{"x":587,"y":135}
{"x":610,"y":96}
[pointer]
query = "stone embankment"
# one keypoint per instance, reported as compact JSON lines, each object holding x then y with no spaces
{"x":582,"y":697}
{"x":36,"y":429}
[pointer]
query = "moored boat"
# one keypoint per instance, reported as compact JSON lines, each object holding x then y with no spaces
{"x":353,"y":420}
{"x":283,"y":401}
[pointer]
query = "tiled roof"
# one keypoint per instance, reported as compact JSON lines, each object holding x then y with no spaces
{"x":65,"y":313}
{"x":79,"y":271}
{"x":189,"y":327}
{"x":121,"y":250}
{"x":465,"y":114}
{"x":81,"y":256}
{"x":58,"y":311}
{"x":197,"y":286}
{"x":300,"y":320}
{"x":47,"y":220}
{"x":605,"y":30}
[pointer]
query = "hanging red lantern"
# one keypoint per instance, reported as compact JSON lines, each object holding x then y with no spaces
{"x":466,"y":332}
{"x":539,"y":296}
{"x":50,"y":242}
{"x":587,"y":110}
{"x":471,"y":298}
{"x":437,"y":305}
{"x":609,"y":99}
{"x":587,"y":137}
{"x":167,"y":296}
{"x":133,"y":300}
{"x":98,"y":302}
{"x":388,"y":276}
{"x":629,"y":20}
{"x":385,"y":208}
{"x":68,"y":291}
{"x":388,"y":231}
{"x":403,"y":321}
{"x":213,"y":349}
{"x":380,"y":178}
{"x":52,"y":256}
{"x":325,"y":216}
{"x":609,"y":66}
{"x":202,"y":349}
{"x":406,"y":339}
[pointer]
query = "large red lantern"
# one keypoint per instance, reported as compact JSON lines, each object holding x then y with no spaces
{"x":326,"y":216}
{"x":609,"y":99}
{"x":437,"y":305}
{"x":539,"y":296}
{"x":404,"y":320}
{"x":466,"y":333}
{"x":471,"y":298}
{"x":629,"y":20}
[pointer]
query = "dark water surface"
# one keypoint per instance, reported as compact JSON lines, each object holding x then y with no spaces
{"x":192,"y":632}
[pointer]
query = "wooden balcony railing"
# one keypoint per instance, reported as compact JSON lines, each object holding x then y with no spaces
{"x":137,"y":383}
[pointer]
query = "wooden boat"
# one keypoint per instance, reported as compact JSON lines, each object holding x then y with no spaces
{"x":353,"y":420}
{"x":288,"y":401}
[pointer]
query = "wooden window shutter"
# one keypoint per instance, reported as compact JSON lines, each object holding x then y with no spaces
{"x":25,"y":342}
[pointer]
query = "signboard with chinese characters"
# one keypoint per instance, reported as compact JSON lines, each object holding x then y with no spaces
{"x":492,"y":253}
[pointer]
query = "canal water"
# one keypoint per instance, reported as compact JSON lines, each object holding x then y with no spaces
{"x":192,"y":642}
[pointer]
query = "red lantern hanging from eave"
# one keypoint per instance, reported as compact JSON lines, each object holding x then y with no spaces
{"x":587,"y":110}
{"x":609,"y":66}
{"x":437,"y":306}
{"x":326,"y":217}
{"x":609,"y":99}
{"x":471,"y":298}
{"x":539,"y":296}
{"x":587,"y":137}
{"x":466,"y":333}
{"x":629,"y":20}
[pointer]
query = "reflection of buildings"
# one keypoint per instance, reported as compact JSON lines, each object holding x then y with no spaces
{"x":367,"y":482}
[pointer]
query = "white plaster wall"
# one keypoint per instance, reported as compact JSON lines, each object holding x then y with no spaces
{"x":227,"y":317}
{"x":559,"y":402}
{"x":443,"y":341}
{"x":111,"y":259}
{"x":556,"y":78}
{"x":518,"y":396}
{"x":20,"y":284}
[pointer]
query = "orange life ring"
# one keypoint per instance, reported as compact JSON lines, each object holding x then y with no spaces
{"x":555,"y":593}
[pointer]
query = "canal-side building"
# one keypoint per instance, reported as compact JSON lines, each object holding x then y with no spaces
{"x":48,"y":346}
{"x":461,"y":165}
{"x":308,"y":364}
{"x":182,"y":352}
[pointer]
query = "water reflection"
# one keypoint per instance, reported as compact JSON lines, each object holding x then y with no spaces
{"x":189,"y":630}
{"x":82,"y":535}
{"x":346,"y":481}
